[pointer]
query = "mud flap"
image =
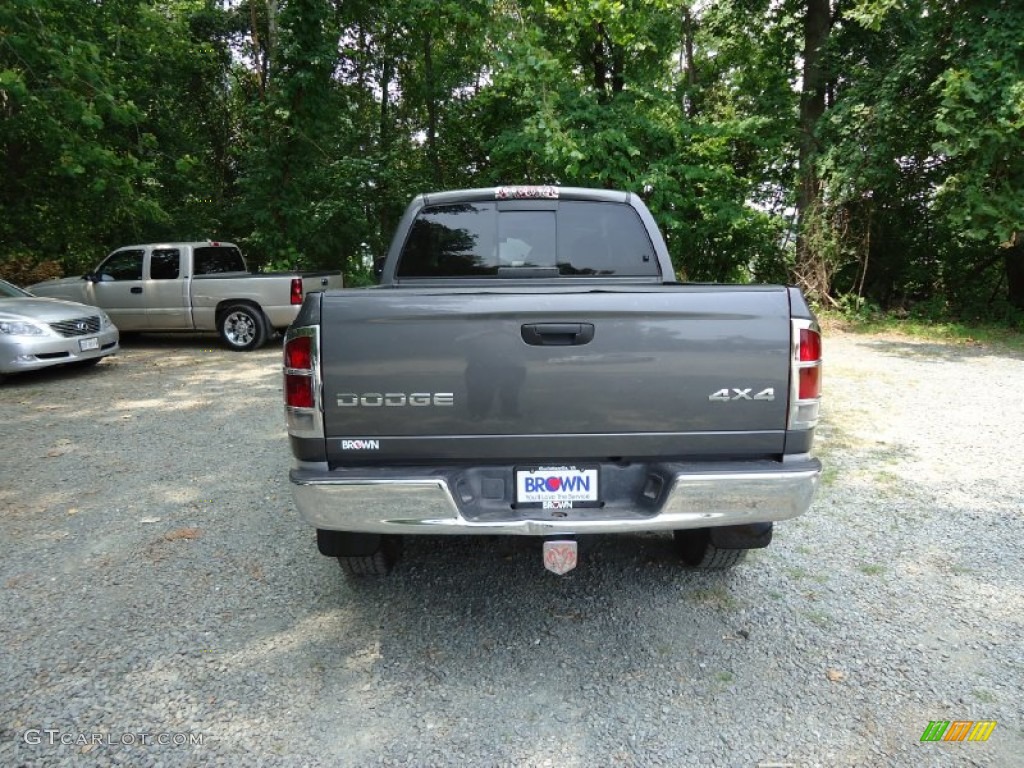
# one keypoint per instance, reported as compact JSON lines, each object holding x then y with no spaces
{"x":560,"y":555}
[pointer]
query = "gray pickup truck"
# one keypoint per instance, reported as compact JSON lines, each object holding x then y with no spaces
{"x":530,"y":366}
{"x":201,"y":286}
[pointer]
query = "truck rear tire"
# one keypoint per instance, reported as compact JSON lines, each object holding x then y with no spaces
{"x":379,"y":563}
{"x":697,"y":552}
{"x":242,"y":327}
{"x":360,"y":554}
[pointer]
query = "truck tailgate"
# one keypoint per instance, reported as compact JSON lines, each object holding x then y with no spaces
{"x":320,"y":281}
{"x":495,"y":374}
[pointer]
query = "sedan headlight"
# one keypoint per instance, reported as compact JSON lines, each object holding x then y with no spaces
{"x":104,"y":321}
{"x":21,"y":328}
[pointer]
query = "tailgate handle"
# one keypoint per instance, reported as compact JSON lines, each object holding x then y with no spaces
{"x":558,"y":334}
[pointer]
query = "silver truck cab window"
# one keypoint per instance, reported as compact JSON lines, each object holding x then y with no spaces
{"x":122,"y":265}
{"x":216,"y":260}
{"x":164,"y":264}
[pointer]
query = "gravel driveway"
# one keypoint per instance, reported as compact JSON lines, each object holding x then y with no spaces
{"x":157,"y":587}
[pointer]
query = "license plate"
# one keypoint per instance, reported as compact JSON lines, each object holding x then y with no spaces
{"x":550,"y":486}
{"x":86,"y":344}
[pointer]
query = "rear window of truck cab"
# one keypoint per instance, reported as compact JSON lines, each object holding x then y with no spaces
{"x":488,"y":239}
{"x":217,"y":259}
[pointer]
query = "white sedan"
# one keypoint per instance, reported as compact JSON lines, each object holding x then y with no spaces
{"x":37,"y":333}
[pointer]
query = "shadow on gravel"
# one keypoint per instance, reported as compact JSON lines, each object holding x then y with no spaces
{"x":457,"y":606}
{"x":500,"y":585}
{"x":72,"y":373}
{"x":145,"y":351}
{"x":924,"y":351}
{"x":471,"y":642}
{"x":197,"y":342}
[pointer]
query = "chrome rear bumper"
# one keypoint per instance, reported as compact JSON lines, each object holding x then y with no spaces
{"x":420,"y":501}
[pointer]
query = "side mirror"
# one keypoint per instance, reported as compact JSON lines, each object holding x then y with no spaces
{"x":378,"y":267}
{"x":89,"y":276}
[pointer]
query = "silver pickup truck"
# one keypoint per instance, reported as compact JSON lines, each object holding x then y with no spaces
{"x":201,"y":286}
{"x":530,"y":366}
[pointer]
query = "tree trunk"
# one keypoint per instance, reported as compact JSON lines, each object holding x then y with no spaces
{"x":618,"y":68}
{"x":271,"y":24}
{"x":385,"y":94}
{"x":384,"y":222}
{"x":597,"y":57}
{"x":688,"y":65}
{"x":260,"y":53}
{"x":811,"y":270}
{"x":1013,"y":262}
{"x":431,"y":97}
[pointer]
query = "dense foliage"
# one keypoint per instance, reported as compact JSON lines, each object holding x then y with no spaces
{"x":870,"y":150}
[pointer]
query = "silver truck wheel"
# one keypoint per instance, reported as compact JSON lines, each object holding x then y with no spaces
{"x":696,"y":551}
{"x":242,"y":328}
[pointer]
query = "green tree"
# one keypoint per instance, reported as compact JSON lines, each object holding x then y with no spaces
{"x":630,"y":96}
{"x":113,"y":128}
{"x":301,"y":128}
{"x":923,"y":153}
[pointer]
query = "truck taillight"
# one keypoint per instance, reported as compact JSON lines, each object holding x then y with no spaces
{"x":810,"y":376}
{"x":298,"y":391}
{"x":298,"y":353}
{"x":296,"y":290}
{"x":301,"y":382}
{"x":298,"y":372}
{"x":805,"y":375}
{"x":810,"y":383}
{"x":810,"y":345}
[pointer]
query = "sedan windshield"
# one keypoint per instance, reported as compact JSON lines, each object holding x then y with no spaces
{"x":8,"y":291}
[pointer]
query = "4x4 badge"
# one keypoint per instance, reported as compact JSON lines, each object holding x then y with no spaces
{"x":728,"y":395}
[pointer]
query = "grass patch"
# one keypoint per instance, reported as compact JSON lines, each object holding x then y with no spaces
{"x":890,"y":456}
{"x":887,"y":478}
{"x":829,"y":475}
{"x":985,"y":697}
{"x":717,"y":596}
{"x":871,"y":569}
{"x":817,"y":617}
{"x":724,"y":677}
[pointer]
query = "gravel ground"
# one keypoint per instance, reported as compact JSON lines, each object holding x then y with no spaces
{"x":157,"y":585}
